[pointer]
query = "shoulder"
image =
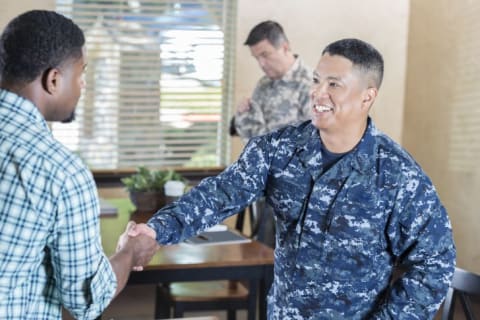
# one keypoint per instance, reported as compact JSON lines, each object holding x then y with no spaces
{"x":397,"y":165}
{"x":290,"y":136}
{"x":263,"y":82}
{"x":44,"y":153}
{"x":304,"y":72}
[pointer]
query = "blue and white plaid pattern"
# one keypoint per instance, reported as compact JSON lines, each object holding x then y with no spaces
{"x":50,"y":248}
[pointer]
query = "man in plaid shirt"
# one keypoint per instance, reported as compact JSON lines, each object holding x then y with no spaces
{"x":50,"y":249}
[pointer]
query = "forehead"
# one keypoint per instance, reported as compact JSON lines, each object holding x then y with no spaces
{"x":262,"y":46}
{"x":334,"y":66}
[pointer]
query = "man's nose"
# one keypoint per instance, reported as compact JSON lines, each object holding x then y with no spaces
{"x":318,"y":90}
{"x":261,"y":62}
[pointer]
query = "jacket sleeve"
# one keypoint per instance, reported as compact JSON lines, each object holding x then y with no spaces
{"x":421,"y":239}
{"x":252,"y":123}
{"x":215,"y":198}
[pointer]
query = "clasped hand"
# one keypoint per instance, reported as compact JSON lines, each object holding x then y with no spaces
{"x":140,"y":239}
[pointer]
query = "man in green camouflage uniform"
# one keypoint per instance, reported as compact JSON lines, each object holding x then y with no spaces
{"x":281,"y":96}
{"x":350,"y":205}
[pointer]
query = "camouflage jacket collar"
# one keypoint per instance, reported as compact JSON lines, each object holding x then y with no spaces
{"x":293,"y":73}
{"x":362,"y":158}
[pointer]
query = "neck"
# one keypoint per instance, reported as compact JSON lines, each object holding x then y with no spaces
{"x":290,"y":61}
{"x":341,"y":142}
{"x":32,"y":91}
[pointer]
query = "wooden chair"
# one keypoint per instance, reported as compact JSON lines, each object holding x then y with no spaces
{"x":208,"y":295}
{"x":465,"y":285}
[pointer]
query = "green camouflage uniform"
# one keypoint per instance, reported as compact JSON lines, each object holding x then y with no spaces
{"x":277,"y":103}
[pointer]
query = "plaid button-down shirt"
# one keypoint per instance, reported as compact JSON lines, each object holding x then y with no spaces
{"x":50,"y":248}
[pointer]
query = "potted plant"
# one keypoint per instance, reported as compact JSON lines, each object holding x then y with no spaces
{"x":146,"y":187}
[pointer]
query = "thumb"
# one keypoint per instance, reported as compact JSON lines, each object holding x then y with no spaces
{"x":132,"y":229}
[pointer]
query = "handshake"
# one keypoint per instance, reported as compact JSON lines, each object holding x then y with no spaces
{"x":139,"y":242}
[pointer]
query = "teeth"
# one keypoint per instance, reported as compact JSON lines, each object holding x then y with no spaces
{"x":323,"y":108}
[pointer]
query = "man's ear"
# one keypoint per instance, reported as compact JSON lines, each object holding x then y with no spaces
{"x":369,"y":96}
{"x":50,"y":79}
{"x":285,"y":46}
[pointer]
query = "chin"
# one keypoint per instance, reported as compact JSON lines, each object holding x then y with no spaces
{"x":69,"y":119}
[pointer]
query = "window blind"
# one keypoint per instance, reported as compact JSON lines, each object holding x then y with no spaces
{"x":158,"y":83}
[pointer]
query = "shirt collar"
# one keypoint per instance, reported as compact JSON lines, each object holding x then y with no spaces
{"x":15,"y":104}
{"x":290,"y":75}
{"x":360,"y":158}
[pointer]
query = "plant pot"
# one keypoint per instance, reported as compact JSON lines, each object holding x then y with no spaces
{"x":148,"y":201}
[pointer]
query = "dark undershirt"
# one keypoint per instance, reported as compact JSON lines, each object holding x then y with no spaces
{"x":330,"y":158}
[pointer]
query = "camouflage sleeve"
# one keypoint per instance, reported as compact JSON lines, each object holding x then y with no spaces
{"x":420,"y":235}
{"x":305,"y":104}
{"x":252,"y":122}
{"x":215,"y":198}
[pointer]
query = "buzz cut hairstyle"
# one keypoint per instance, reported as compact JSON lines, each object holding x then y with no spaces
{"x":362,"y":54}
{"x":267,"y":30}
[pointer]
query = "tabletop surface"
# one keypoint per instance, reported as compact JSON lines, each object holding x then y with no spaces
{"x":184,"y":255}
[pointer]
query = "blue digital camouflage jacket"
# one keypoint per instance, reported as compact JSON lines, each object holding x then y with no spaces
{"x":339,"y":232}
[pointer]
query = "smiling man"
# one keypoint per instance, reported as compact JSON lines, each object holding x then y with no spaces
{"x":350,"y":205}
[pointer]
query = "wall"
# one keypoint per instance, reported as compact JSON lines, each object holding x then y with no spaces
{"x":312,"y":24}
{"x":11,"y":8}
{"x":310,"y":27}
{"x":442,"y":115}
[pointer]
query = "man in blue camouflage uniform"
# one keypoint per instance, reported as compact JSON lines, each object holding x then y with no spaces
{"x":349,"y":203}
{"x":281,"y":95}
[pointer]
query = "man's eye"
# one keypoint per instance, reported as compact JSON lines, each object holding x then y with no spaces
{"x":315,"y":80}
{"x":333,"y":84}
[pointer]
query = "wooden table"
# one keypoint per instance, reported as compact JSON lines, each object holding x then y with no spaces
{"x":251,"y":262}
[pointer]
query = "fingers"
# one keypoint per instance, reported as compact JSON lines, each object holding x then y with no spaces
{"x":142,"y":239}
{"x":141,"y":228}
{"x":145,"y":248}
{"x":244,"y":105}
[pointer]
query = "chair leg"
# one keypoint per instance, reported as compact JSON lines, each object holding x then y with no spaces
{"x":231,"y":314}
{"x":178,"y":310}
{"x":162,"y":303}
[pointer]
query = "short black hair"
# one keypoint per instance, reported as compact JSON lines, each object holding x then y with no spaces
{"x":36,"y":41}
{"x":362,"y":54}
{"x":269,"y":30}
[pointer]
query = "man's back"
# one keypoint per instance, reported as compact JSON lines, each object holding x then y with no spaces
{"x":48,"y":221}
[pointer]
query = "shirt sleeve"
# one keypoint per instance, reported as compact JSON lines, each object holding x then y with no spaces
{"x":421,"y":237}
{"x":215,"y":198}
{"x":305,"y":103}
{"x":84,"y":278}
{"x":252,"y":123}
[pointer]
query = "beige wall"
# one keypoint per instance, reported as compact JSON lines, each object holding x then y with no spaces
{"x":442,"y":113}
{"x":311,"y":25}
{"x":11,"y":8}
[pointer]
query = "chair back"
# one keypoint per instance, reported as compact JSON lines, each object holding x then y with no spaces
{"x":262,"y":223}
{"x":465,"y":286}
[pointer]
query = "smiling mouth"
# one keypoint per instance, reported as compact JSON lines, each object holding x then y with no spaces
{"x":320,"y":108}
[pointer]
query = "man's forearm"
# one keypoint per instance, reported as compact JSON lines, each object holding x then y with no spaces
{"x":122,"y":264}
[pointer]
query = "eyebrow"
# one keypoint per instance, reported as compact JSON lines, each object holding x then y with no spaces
{"x":316,"y":75}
